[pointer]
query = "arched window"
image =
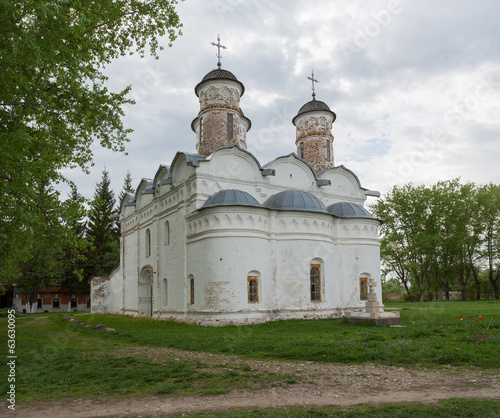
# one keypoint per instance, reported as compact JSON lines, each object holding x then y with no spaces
{"x":315,"y":278}
{"x":148,"y":242}
{"x":363,"y":288}
{"x":253,"y":289}
{"x":56,"y":303}
{"x":164,"y":292}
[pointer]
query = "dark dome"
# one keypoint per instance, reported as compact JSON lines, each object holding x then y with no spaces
{"x":230,"y":197}
{"x":220,"y":74}
{"x":348,"y":210}
{"x":295,"y":200}
{"x":312,"y":106}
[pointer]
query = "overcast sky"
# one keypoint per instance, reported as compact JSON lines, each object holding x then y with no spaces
{"x":415,"y":86}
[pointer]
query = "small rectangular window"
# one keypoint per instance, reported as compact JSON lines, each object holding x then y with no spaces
{"x":56,"y":303}
{"x":74,"y":302}
{"x":192,"y":291}
{"x":39,"y":303}
{"x":301,"y":150}
{"x":88,"y":303}
{"x":328,"y":150}
{"x":229,"y":126}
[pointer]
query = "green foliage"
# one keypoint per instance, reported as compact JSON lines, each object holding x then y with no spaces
{"x":437,"y":238}
{"x":102,"y":231}
{"x":54,"y":104}
{"x":127,"y":187}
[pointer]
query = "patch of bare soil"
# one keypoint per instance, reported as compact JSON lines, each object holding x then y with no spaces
{"x":317,"y":384}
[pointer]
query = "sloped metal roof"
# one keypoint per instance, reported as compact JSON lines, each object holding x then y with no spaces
{"x":348,"y":210}
{"x":295,"y":200}
{"x":231,"y":197}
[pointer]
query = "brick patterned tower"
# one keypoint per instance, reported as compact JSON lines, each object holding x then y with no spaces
{"x":220,"y":121}
{"x":314,"y":139}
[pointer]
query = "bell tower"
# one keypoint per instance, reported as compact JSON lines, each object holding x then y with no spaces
{"x":314,"y":139}
{"x":220,"y":121}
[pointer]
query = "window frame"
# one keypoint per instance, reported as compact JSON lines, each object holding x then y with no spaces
{"x":315,"y":293}
{"x":363,"y":279}
{"x":148,"y":242}
{"x":253,"y":291}
{"x":230,"y":126}
{"x":58,"y":300}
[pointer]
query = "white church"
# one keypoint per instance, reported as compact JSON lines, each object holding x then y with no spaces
{"x":217,"y":238}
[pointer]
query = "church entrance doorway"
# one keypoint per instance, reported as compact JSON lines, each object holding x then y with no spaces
{"x":145,"y":293}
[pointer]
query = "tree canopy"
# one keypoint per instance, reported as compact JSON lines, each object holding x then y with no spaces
{"x":441,"y":237}
{"x":54,"y":104}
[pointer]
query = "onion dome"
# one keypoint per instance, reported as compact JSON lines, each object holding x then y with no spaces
{"x":231,"y":197}
{"x":220,"y":74}
{"x":295,"y":200}
{"x":348,"y":210}
{"x":314,"y":106}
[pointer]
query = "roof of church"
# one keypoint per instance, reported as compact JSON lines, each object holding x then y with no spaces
{"x":220,"y":74}
{"x":231,"y":197}
{"x":312,"y":106}
{"x":295,"y":200}
{"x":348,"y":210}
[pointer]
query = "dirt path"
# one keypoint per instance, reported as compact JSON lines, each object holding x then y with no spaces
{"x":316,"y":384}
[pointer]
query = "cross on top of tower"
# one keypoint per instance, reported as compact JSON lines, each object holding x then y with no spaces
{"x":313,"y":80}
{"x":219,"y":46}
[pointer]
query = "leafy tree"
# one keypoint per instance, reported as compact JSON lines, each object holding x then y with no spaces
{"x":489,"y":198}
{"x":127,"y":187}
{"x":437,"y":237}
{"x":73,"y":260}
{"x":54,"y":104}
{"x":45,"y":266}
{"x":102,"y":231}
{"x":405,"y":247}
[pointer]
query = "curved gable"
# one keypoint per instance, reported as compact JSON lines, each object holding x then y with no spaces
{"x":344,"y":182}
{"x":146,"y":187}
{"x":183,"y":166}
{"x":292,"y":172}
{"x":235,"y":163}
{"x":161,"y":174}
{"x":127,"y":202}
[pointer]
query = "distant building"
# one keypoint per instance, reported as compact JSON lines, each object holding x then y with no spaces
{"x":218,"y":238}
{"x":56,"y":298}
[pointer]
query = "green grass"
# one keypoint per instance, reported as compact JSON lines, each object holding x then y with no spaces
{"x":425,"y":339}
{"x":452,"y":408}
{"x":58,"y":358}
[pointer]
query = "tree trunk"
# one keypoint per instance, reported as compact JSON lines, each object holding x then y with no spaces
{"x":477,"y":283}
{"x":441,"y":293}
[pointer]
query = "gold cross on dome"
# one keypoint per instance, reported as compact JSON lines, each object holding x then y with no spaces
{"x":313,"y":80}
{"x":219,"y":46}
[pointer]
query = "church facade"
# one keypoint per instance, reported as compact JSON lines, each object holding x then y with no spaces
{"x":218,"y":238}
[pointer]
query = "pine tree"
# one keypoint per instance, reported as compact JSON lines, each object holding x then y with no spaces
{"x":127,"y":187}
{"x":74,"y":258}
{"x":102,"y":231}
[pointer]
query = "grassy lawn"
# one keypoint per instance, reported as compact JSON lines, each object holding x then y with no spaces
{"x":61,"y":359}
{"x":452,"y":408}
